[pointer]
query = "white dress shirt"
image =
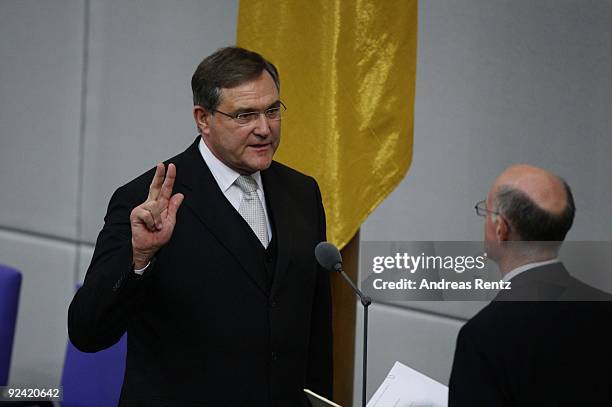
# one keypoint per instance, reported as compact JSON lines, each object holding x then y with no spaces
{"x":225,"y":177}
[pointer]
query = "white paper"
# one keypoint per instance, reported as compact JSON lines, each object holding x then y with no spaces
{"x":405,"y":387}
{"x":317,"y":400}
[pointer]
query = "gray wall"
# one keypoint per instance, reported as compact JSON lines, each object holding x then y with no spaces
{"x":93,"y":93}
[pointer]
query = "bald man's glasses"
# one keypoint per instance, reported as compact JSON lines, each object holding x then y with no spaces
{"x":481,"y":209}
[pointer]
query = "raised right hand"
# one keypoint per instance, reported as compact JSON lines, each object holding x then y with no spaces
{"x":153,"y":221}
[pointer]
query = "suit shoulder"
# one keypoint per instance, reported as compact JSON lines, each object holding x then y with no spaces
{"x":580,"y":291}
{"x":290,"y":175}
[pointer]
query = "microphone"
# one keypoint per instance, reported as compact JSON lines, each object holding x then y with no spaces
{"x":329,"y":257}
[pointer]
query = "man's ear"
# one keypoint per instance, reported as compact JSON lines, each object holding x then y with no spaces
{"x":502,"y":228}
{"x":202,"y":119}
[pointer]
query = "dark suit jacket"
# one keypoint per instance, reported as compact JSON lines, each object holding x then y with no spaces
{"x":206,"y":325}
{"x":553,"y":352}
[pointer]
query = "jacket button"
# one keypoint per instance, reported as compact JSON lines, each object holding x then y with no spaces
{"x":272,"y":303}
{"x":274,"y":355}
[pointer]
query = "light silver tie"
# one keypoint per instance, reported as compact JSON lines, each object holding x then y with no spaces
{"x":251,"y":208}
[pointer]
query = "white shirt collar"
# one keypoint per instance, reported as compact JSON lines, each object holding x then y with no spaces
{"x":224,"y":175}
{"x":528,"y":266}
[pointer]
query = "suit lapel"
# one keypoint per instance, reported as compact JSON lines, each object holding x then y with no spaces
{"x":205,"y":199}
{"x":279,"y":204}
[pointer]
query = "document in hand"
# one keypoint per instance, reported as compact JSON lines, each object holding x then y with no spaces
{"x":405,"y":387}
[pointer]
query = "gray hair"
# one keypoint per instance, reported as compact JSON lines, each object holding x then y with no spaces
{"x":529,"y":221}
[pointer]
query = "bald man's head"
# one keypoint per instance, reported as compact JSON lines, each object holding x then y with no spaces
{"x":537,"y":204}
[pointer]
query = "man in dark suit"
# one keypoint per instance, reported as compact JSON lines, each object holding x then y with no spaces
{"x":546,"y":341}
{"x":216,"y":285}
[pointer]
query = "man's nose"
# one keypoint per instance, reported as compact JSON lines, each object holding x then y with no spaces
{"x":262,"y":127}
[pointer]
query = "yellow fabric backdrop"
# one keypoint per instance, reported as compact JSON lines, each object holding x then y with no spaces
{"x":347,"y":77}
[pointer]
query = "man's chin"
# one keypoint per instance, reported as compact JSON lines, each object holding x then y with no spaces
{"x":265,"y":165}
{"x":259,"y":165}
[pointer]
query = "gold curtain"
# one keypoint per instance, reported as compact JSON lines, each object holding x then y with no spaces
{"x":347,"y":77}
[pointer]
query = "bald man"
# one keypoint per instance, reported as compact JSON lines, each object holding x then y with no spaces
{"x":547,"y":341}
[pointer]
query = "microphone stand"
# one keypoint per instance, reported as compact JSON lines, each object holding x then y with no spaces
{"x":365,"y":302}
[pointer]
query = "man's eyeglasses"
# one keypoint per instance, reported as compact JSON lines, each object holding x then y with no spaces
{"x":481,"y":209}
{"x":245,"y":118}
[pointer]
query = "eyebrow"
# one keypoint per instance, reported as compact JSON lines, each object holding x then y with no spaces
{"x":252,"y":109}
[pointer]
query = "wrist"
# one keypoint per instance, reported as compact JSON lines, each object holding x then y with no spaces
{"x":140,"y":271}
{"x":140,"y":264}
{"x":140,"y":259}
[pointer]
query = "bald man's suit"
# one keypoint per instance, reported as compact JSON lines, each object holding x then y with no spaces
{"x":216,"y":320}
{"x":522,"y":352}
